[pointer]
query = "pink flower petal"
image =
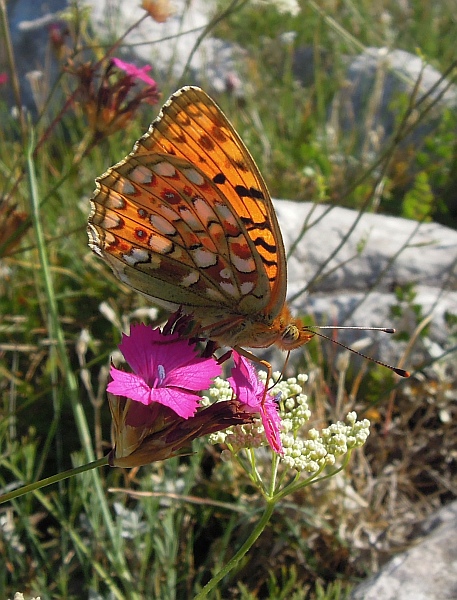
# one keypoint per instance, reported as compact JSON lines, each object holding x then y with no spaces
{"x":166,"y":369}
{"x":129,"y":385}
{"x":251,"y":391}
{"x":196,"y":378}
{"x":245,"y":383}
{"x":137,"y":348}
{"x":184,"y":403}
{"x":132,"y":386}
{"x":134,"y":71}
{"x":146,"y":348}
{"x":172,"y":351}
{"x":271,"y":422}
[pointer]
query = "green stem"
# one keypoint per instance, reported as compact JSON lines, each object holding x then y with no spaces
{"x":233,"y":562}
{"x":299,"y":483}
{"x":57,"y":336}
{"x":79,"y":542}
{"x":37,"y":485}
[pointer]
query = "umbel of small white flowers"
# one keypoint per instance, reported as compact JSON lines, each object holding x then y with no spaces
{"x":308,"y":452}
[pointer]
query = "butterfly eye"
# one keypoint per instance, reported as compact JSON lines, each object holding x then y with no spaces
{"x":290,"y":335}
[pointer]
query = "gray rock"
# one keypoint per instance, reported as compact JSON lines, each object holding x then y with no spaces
{"x":365,"y":109}
{"x":167,"y":46}
{"x":427,"y":571}
{"x":352,"y":281}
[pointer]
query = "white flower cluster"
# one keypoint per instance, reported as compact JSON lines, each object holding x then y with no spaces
{"x":294,"y":410}
{"x":321,"y":449}
{"x":318,"y":450}
{"x":220,"y":391}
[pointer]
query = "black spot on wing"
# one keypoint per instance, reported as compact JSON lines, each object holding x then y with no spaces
{"x":219,"y":178}
{"x":244,"y":192}
{"x":271,"y":248}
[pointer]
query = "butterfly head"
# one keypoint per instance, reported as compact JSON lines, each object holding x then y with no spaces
{"x":293,"y":336}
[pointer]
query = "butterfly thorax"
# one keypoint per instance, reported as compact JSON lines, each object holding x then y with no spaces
{"x":257,"y":331}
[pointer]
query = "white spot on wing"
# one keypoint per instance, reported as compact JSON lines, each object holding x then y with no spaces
{"x":114,"y":200}
{"x":141,"y":174}
{"x":109,"y":238}
{"x":226,"y":273}
{"x":127,"y":188}
{"x":162,"y":225}
{"x":189,"y":218}
{"x":135,"y":256}
{"x":225,"y":214}
{"x":164,"y":169}
{"x":190,"y":279}
{"x":247,"y":287}
{"x":229,"y":289}
{"x":110,"y":221}
{"x":243,"y":265}
{"x":203,"y":258}
{"x":194,"y":176}
{"x":204,"y":211}
{"x":160,"y":244}
{"x":168,"y":213}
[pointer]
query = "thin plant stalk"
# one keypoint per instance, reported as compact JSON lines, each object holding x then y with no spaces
{"x":296,"y":485}
{"x":37,"y":485}
{"x":57,"y":336}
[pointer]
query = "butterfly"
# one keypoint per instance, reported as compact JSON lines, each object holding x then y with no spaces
{"x":186,"y":219}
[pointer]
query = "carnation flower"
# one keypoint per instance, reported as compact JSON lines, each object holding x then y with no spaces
{"x":166,"y":369}
{"x":156,"y":409}
{"x":250,"y":391}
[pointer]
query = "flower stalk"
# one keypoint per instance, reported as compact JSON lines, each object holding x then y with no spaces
{"x":37,"y":485}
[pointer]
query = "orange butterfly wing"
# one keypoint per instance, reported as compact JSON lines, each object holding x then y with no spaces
{"x":186,"y":219}
{"x":193,"y":127}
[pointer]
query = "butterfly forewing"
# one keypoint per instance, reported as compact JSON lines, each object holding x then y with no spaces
{"x":187,"y":219}
{"x":192,"y":126}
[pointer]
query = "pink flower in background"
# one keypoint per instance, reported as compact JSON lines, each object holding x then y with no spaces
{"x":109,"y":97}
{"x":134,"y":71}
{"x":3,"y":78}
{"x":166,"y":370}
{"x":250,"y":392}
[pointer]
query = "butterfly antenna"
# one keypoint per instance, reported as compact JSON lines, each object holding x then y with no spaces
{"x":396,"y":370}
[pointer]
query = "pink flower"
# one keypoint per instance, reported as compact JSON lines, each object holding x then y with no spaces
{"x":3,"y":78}
{"x":250,"y":391}
{"x":134,"y":71}
{"x":166,"y":370}
{"x":144,"y":434}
